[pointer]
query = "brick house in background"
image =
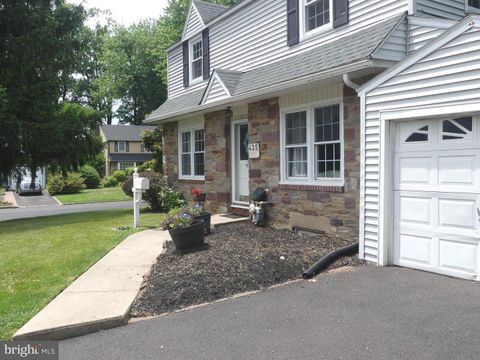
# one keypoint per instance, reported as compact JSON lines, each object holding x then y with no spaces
{"x":123,"y":146}
{"x":284,"y":75}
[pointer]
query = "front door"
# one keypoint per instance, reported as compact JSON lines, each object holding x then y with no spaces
{"x":240,"y":164}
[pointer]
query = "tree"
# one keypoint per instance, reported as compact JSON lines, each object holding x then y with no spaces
{"x":74,"y":135}
{"x":153,"y":141}
{"x":37,"y":43}
{"x":130,"y":72}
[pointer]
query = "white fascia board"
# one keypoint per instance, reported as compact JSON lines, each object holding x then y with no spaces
{"x":449,"y":35}
{"x":192,"y":8}
{"x":363,"y":64}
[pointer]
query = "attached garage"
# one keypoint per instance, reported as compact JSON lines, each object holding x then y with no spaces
{"x":420,"y":183}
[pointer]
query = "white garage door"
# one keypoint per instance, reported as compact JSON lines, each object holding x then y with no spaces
{"x":437,"y":196}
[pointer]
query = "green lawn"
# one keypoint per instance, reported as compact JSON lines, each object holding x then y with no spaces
{"x":94,"y":195}
{"x":40,"y":257}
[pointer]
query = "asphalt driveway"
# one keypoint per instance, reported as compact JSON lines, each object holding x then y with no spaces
{"x":34,"y":200}
{"x":370,"y":313}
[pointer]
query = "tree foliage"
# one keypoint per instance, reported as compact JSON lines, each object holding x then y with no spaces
{"x":153,"y":141}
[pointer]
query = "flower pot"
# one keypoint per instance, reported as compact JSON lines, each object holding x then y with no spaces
{"x":188,"y":236}
{"x":206,"y":217}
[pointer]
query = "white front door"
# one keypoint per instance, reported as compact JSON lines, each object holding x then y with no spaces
{"x":241,"y":176}
{"x":437,"y":196}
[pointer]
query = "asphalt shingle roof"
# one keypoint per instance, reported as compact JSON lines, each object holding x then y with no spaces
{"x":209,"y":11}
{"x":343,"y":51}
{"x":123,"y":132}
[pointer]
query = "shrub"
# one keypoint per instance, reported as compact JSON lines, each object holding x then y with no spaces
{"x":160,"y":196}
{"x":91,"y":177}
{"x":117,"y":178}
{"x":148,"y":166}
{"x":71,"y":184}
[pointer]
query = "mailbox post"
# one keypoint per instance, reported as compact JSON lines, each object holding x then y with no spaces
{"x":140,"y":185}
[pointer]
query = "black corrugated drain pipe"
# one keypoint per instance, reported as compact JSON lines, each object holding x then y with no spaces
{"x":323,"y":263}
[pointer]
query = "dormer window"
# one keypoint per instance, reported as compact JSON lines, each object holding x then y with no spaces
{"x":196,"y":61}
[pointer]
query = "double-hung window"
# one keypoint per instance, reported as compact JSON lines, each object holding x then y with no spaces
{"x":312,"y":145}
{"x":192,"y":155}
{"x":196,"y":59}
{"x":473,"y":6}
{"x":122,"y":146}
{"x":316,"y":15}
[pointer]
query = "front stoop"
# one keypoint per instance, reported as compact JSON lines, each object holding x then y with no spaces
{"x":101,"y":298}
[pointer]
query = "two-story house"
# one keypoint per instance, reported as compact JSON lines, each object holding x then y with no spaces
{"x":289,"y":95}
{"x":124,"y":147}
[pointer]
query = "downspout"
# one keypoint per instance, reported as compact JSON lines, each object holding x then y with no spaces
{"x":349,"y":82}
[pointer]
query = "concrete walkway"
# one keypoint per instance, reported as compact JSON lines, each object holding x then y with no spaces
{"x":101,"y":298}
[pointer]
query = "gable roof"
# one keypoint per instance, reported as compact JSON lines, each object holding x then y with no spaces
{"x":467,"y":23}
{"x":351,"y":50}
{"x":124,"y":132}
{"x":221,"y":85}
{"x":209,"y":11}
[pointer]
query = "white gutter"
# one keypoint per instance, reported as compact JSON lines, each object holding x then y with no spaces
{"x":348,"y":81}
{"x":363,"y":64}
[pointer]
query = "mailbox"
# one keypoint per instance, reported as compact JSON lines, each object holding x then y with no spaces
{"x":141,"y":184}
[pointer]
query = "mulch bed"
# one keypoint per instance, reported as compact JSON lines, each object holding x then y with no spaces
{"x":237,"y":258}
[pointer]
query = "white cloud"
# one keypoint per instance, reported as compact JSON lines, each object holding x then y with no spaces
{"x":127,"y":12}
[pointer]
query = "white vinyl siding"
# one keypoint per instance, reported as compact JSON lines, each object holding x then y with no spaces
{"x":257,"y":34}
{"x":423,"y":30}
{"x":395,"y":45}
{"x":217,"y":92}
{"x":447,"y":76}
{"x":194,"y":24}
{"x":448,"y":9}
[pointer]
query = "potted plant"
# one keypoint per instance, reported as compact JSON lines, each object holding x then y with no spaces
{"x":184,"y":230}
{"x":198,"y":211}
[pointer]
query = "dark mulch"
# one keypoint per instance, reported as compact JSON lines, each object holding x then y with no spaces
{"x":237,"y":258}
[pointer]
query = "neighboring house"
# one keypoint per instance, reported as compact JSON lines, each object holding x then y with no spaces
{"x":123,"y":147}
{"x":318,"y":85}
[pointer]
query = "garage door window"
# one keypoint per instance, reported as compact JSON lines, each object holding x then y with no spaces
{"x":457,"y":129}
{"x":421,"y":135}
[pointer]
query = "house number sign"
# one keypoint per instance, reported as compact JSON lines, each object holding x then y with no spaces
{"x":254,"y":151}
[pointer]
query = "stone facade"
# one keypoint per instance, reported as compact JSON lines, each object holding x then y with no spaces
{"x":217,"y":184}
{"x":332,"y":209}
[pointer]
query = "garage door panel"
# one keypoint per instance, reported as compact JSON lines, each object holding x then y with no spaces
{"x":456,"y":170}
{"x":414,"y":210}
{"x":414,"y":171}
{"x":414,"y":249}
{"x":456,"y":213}
{"x":458,"y":256}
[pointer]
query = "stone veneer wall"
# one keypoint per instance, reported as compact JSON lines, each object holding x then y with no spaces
{"x":330,"y":209}
{"x":217,"y":184}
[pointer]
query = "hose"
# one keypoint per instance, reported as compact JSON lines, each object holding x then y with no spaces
{"x":324,"y":262}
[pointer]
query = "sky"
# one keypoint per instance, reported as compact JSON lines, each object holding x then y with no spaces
{"x":127,"y":12}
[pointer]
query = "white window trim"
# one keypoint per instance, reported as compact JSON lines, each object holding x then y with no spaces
{"x":190,"y":60}
{"x":123,"y":162}
{"x":124,"y":147}
{"x":190,"y":129}
{"x":311,"y":176}
{"x":304,"y":34}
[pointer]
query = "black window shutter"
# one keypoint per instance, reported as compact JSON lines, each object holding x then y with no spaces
{"x":293,"y":30}
{"x":116,"y":146}
{"x":127,"y":146}
{"x":340,"y":12}
{"x":206,"y":54}
{"x":186,"y":65}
